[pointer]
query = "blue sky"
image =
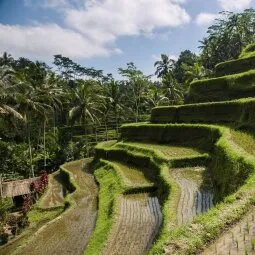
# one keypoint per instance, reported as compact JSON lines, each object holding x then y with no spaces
{"x":107,"y":34}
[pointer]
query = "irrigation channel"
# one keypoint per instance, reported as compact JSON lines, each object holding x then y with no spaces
{"x":137,"y":225}
{"x":196,"y":193}
{"x":69,"y":233}
{"x":238,"y":240}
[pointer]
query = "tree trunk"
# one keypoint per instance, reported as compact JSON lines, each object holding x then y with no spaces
{"x":106,"y":129}
{"x":30,"y":154}
{"x":116,"y":122}
{"x":44,"y":143}
{"x":86,"y":137}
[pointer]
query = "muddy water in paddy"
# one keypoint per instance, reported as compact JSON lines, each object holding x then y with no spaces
{"x":138,"y":222}
{"x":70,"y":233}
{"x":55,"y":194}
{"x":196,"y":193}
{"x":238,"y":240}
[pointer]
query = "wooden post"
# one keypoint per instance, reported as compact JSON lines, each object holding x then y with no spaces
{"x":1,"y":187}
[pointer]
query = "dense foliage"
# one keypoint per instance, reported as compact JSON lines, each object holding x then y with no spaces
{"x":227,"y":37}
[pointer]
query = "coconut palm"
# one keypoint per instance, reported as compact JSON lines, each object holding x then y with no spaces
{"x":195,"y":72}
{"x":172,"y":89}
{"x":87,"y":102}
{"x":164,"y":65}
{"x":112,"y":102}
{"x":7,"y":90}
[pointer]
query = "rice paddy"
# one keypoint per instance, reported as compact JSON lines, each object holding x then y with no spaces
{"x":238,"y":240}
{"x":196,"y":196}
{"x":70,"y":232}
{"x":138,"y":222}
{"x":169,"y":151}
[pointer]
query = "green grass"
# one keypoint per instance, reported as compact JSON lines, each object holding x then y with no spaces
{"x":244,"y":140}
{"x":246,"y":63}
{"x":223,"y":88}
{"x":133,"y":177}
{"x":248,"y":51}
{"x":238,"y":112}
{"x":39,"y":216}
{"x":201,"y":136}
{"x":168,"y":151}
{"x":109,"y":190}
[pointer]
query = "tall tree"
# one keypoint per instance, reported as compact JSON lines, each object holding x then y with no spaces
{"x":172,"y":89}
{"x":164,"y":65}
{"x":186,"y":59}
{"x":137,"y":84}
{"x":86,"y":104}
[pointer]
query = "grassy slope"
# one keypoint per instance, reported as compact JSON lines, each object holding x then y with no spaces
{"x":239,"y":112}
{"x":110,"y":189}
{"x":223,"y":88}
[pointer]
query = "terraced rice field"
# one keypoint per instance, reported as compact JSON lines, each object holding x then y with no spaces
{"x":69,"y":233}
{"x":169,"y":151}
{"x":238,"y":240}
{"x":196,"y":194}
{"x":138,"y":222}
{"x":133,"y":177}
{"x":54,"y":196}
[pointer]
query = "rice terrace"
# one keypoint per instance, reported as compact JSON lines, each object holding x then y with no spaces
{"x":144,"y":163}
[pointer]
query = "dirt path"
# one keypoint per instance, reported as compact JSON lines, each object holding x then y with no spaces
{"x":194,"y":199}
{"x":69,"y":233}
{"x":138,"y":223}
{"x":238,"y":240}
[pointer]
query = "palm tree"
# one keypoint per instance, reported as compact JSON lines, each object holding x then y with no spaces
{"x":195,"y":72}
{"x":164,"y":65}
{"x":30,"y":102}
{"x":156,"y":96}
{"x":7,"y":89}
{"x":112,"y":102}
{"x":171,"y":89}
{"x":6,"y":60}
{"x":86,"y":104}
{"x":51,"y":95}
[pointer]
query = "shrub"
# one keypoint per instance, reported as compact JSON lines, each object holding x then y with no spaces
{"x":5,"y":206}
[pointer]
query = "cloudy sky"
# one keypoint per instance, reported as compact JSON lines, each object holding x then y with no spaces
{"x":107,"y":34}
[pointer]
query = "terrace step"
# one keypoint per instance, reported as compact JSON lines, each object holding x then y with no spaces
{"x":133,"y":178}
{"x":237,"y":112}
{"x":138,"y":223}
{"x":196,"y":193}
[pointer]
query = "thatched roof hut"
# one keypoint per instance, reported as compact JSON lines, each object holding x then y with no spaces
{"x":17,"y":188}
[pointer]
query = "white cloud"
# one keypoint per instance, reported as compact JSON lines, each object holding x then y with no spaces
{"x":234,"y":5}
{"x":106,"y":20}
{"x":93,"y":27}
{"x":206,"y":19}
{"x":43,"y":41}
